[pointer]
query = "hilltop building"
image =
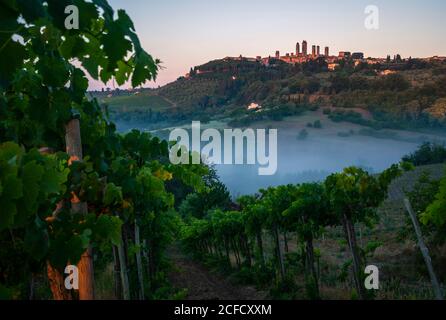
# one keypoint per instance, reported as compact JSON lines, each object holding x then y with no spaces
{"x":301,"y":55}
{"x":386,"y":66}
{"x":344,"y":55}
{"x":304,"y":48}
{"x":358,"y":56}
{"x":333,"y":66}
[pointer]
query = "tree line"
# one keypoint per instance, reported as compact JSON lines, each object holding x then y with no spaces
{"x":306,"y":210}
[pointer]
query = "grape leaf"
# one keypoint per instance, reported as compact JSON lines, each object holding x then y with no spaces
{"x":36,"y":240}
{"x":108,"y":228}
{"x":7,"y":213}
{"x":31,"y":176}
{"x":12,"y":54}
{"x":53,"y":180}
{"x":112,"y":194}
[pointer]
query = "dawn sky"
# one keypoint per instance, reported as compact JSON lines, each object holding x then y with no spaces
{"x":186,"y":33}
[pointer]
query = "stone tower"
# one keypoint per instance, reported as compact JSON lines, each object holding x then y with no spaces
{"x":304,"y":48}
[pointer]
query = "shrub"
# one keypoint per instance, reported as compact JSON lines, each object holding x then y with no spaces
{"x":427,"y":153}
{"x":303,"y":134}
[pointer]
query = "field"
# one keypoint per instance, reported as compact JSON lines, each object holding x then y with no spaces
{"x":132,"y":103}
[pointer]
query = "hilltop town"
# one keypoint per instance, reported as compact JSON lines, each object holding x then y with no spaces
{"x":390,"y":92}
{"x":303,"y":55}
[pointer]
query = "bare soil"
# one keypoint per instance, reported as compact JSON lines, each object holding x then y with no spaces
{"x":202,"y":284}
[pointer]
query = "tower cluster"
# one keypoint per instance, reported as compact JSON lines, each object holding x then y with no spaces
{"x":302,"y":53}
{"x":315,"y":50}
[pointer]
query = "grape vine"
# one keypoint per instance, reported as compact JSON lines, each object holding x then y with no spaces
{"x":121,"y":179}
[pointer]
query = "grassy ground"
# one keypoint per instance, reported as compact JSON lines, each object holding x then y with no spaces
{"x":131,"y":103}
{"x":333,"y":129}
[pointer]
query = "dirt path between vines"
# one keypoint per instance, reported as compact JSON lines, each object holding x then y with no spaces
{"x":201,"y":284}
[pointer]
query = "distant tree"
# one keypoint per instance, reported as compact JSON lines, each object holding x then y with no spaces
{"x":359,"y":83}
{"x":317,"y":124}
{"x":204,"y":102}
{"x":310,"y":86}
{"x":435,"y":213}
{"x":339,"y":83}
{"x":214,"y":196}
{"x":394,"y":82}
{"x":294,"y":88}
{"x":441,"y":85}
{"x":354,"y":196}
{"x":427,"y":153}
{"x":303,"y":134}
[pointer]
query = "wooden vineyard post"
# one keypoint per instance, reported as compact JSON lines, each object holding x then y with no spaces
{"x":56,"y":282}
{"x":424,"y":250}
{"x":353,"y":245}
{"x":85,"y":265}
{"x":124,"y":272}
{"x":279,"y":252}
{"x":117,"y":274}
{"x":139,"y":261}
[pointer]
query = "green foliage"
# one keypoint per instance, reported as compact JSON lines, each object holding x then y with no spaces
{"x":121,"y":178}
{"x":285,"y":289}
{"x":305,"y":210}
{"x":421,"y":196}
{"x":427,"y":153}
{"x":102,"y":43}
{"x":124,"y":179}
{"x":30,"y":184}
{"x":215,"y":195}
{"x":309,"y":212}
{"x":356,"y":194}
{"x":303,"y":134}
{"x":108,"y":228}
{"x":435,"y":213}
{"x":347,"y":116}
{"x":112,"y":194}
{"x":371,"y":247}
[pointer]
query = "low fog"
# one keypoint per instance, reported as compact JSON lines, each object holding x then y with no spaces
{"x":315,"y":158}
{"x":321,"y":153}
